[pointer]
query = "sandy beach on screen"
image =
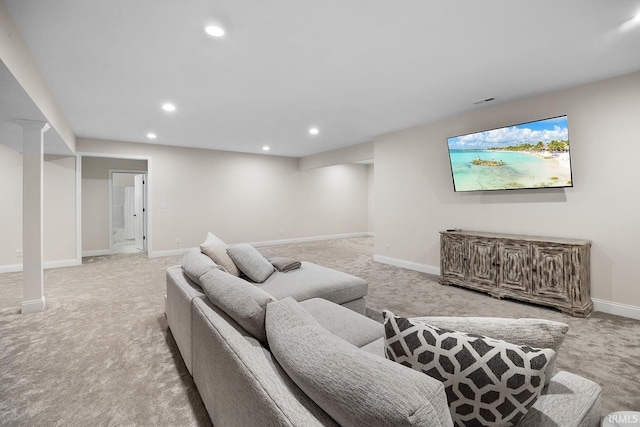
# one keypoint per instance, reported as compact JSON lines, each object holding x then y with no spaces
{"x":559,"y":165}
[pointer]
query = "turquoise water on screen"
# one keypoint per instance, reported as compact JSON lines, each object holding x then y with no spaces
{"x":520,"y":170}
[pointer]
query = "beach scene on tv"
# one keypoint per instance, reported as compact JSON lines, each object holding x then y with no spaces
{"x":529,"y":155}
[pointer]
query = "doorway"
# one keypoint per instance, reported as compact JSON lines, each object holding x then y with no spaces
{"x":127,"y":211}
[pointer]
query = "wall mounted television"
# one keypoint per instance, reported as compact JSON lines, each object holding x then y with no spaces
{"x":524,"y":156}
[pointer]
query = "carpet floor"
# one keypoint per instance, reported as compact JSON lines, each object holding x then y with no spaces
{"x":101,"y":353}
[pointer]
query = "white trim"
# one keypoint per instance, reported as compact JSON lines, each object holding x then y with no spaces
{"x":62,"y":263}
{"x":309,"y":239}
{"x":99,"y":252}
{"x":602,"y":306}
{"x":13,"y":268}
{"x":616,"y":308}
{"x":171,"y":252}
{"x":175,"y":252}
{"x":423,"y":268}
{"x":33,"y":306}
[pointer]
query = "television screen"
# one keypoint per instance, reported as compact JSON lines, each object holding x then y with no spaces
{"x":525,"y":156}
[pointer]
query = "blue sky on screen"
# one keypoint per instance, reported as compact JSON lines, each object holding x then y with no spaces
{"x":533,"y":132}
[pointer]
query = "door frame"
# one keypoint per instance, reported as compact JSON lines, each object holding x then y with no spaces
{"x":148,"y":198}
{"x":144,"y":207}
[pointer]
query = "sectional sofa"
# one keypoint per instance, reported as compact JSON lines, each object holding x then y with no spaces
{"x":259,"y":356}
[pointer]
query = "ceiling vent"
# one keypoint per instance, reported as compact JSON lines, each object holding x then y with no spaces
{"x":482,"y":101}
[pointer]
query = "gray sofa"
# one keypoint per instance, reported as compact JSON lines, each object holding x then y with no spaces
{"x":319,"y":282}
{"x":333,"y":372}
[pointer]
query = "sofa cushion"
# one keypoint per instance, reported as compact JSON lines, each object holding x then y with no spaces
{"x":216,"y":249}
{"x":354,"y":387}
{"x":241,"y":300}
{"x":538,"y":333}
{"x":488,"y":382}
{"x":315,"y":281}
{"x":195,"y":264}
{"x":352,"y":327}
{"x":251,"y":262}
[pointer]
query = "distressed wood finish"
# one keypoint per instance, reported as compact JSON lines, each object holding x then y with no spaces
{"x":543,"y":270}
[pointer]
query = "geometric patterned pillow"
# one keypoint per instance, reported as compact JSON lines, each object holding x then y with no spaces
{"x":488,"y":382}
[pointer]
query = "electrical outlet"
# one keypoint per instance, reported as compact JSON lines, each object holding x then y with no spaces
{"x":19,"y":253}
{"x":281,"y":233}
{"x":388,"y":247}
{"x":177,"y":240}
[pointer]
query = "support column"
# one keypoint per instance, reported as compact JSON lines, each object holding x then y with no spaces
{"x":32,"y":229}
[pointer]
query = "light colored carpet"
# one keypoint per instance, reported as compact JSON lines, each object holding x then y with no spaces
{"x":101,"y":354}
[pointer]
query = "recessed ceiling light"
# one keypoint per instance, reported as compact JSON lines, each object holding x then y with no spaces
{"x":266,"y":148}
{"x":167,"y":106}
{"x":214,"y":31}
{"x":314,"y":131}
{"x":152,"y":135}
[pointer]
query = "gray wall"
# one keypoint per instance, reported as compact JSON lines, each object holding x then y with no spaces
{"x":240,"y":197}
{"x":414,"y":197}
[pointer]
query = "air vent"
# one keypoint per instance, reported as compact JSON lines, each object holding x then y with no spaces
{"x":482,"y":101}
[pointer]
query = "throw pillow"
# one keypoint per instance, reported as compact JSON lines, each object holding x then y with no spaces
{"x":538,"y":333}
{"x":195,"y":264}
{"x":243,"y":302}
{"x":354,"y":387}
{"x":488,"y":382}
{"x":216,"y":249}
{"x":251,"y":262}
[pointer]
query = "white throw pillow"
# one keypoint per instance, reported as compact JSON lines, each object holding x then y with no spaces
{"x":216,"y":249}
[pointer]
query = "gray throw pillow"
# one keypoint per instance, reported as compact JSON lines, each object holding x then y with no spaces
{"x":251,"y":262}
{"x":243,"y":302}
{"x":488,"y":382}
{"x":538,"y":333}
{"x":354,"y":387}
{"x":195,"y":264}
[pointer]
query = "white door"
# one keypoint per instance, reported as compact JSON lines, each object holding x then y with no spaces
{"x":139,"y":211}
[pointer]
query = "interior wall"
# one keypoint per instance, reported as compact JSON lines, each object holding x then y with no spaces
{"x":414,"y":197}
{"x":370,"y":198}
{"x":59,"y":233}
{"x":240,"y":197}
{"x":95,"y":200}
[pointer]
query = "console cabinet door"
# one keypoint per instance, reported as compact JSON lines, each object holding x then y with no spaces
{"x":482,"y":261}
{"x":453,"y":257}
{"x":514,"y":266}
{"x":551,"y":271}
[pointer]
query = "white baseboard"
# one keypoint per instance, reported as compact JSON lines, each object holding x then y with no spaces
{"x":423,"y":268}
{"x":99,"y":252}
{"x":62,"y":263}
{"x":616,"y":308}
{"x":172,"y":252}
{"x":33,"y":306}
{"x":603,"y":306}
{"x":311,"y":239}
{"x":13,"y":268}
{"x":176,"y":252}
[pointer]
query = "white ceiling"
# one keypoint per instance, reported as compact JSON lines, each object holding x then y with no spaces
{"x":353,"y":68}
